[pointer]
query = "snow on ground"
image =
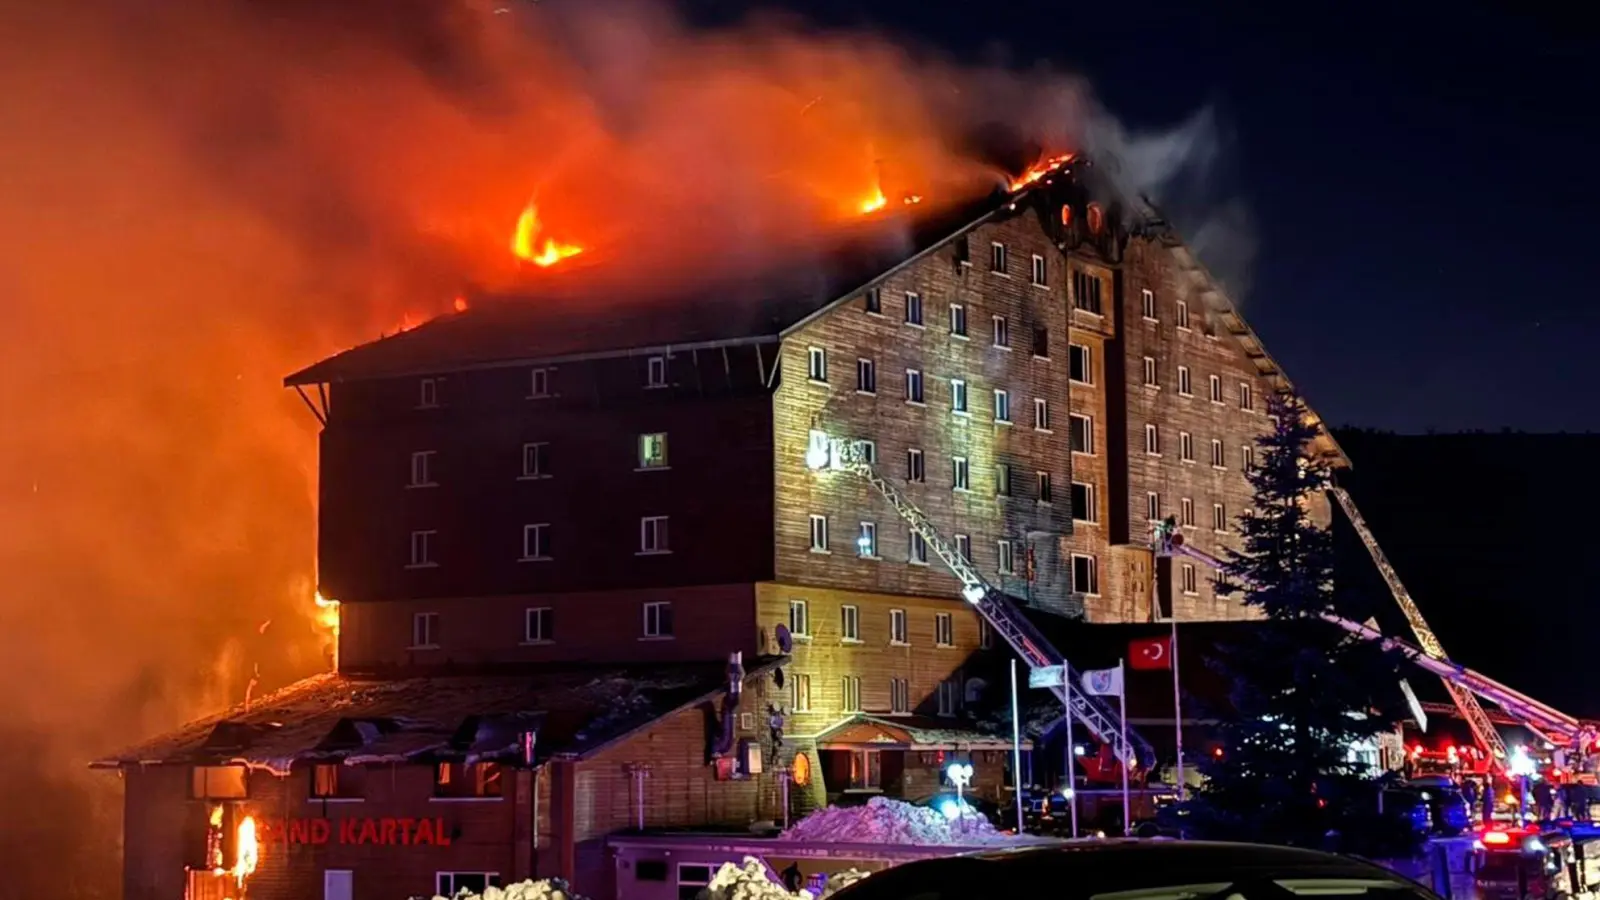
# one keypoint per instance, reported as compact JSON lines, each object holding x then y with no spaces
{"x":886,"y":821}
{"x":549,"y":889}
{"x":752,"y":881}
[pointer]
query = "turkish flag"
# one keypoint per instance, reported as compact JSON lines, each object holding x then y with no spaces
{"x":1150,"y":653}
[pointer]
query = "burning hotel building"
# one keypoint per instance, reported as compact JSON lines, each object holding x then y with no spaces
{"x":590,"y":585}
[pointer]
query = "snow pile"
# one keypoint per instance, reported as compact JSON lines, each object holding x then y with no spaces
{"x":751,"y":881}
{"x":549,"y":889}
{"x":886,"y":821}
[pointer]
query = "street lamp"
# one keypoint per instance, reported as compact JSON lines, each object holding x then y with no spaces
{"x":960,"y":775}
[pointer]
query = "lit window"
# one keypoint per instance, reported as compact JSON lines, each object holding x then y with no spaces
{"x":1080,"y":366}
{"x":1148,"y":301}
{"x":219,"y":783}
{"x":958,"y":320}
{"x":422,"y":468}
{"x":655,"y":374}
{"x":913,"y":309}
{"x":1039,"y":271}
{"x":819,"y":534}
{"x":658,"y":620}
{"x":1085,"y":575}
{"x":539,"y":384}
{"x":653,"y":450}
{"x":653,"y":535}
{"x":867,"y":541}
{"x":816,"y":364}
{"x":536,"y":542}
{"x":422,"y":549}
{"x":539,"y":625}
{"x":334,"y":781}
{"x":1081,"y":436}
{"x":425,"y":631}
{"x":866,"y":376}
{"x":897,"y":627}
{"x":944,"y":630}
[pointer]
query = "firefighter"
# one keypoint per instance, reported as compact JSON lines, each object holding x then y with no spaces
{"x":1544,"y":799}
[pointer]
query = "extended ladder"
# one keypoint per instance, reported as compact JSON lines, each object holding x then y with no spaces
{"x":999,"y":610}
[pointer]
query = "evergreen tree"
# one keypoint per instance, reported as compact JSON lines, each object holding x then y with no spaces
{"x":1303,"y":691}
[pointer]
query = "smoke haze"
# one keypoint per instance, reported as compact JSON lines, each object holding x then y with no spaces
{"x":197,"y":198}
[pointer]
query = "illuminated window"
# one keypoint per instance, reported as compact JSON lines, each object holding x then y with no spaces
{"x":461,"y":780}
{"x":425,"y":631}
{"x":1152,"y":506}
{"x":997,"y":257}
{"x":964,"y":546}
{"x":1039,"y":271}
{"x":1216,"y":389}
{"x":218,"y":783}
{"x":1219,"y":517}
{"x":913,"y":309}
{"x":958,"y":396}
{"x":816,"y":364}
{"x":653,"y":535}
{"x":1152,"y":439}
{"x":422,"y":469}
{"x":1080,"y":364}
{"x":1217,"y":457}
{"x":851,"y":691}
{"x":914,"y":467}
{"x":653,"y":450}
{"x":1096,"y":218}
{"x":539,"y":381}
{"x":1247,"y":458}
{"x":1148,"y":302}
{"x":539,"y":625}
{"x":850,"y":623}
{"x":1152,"y":377}
{"x":872,"y":302}
{"x":536,"y":542}
{"x":897,"y":627}
{"x":1002,"y":405}
{"x":913,"y":386}
{"x":918,"y":553}
{"x":899,"y":696}
{"x":1002,"y":480}
{"x":958,"y":320}
{"x":428,"y":393}
{"x":1006,"y":557}
{"x":658,"y":620}
{"x":819,"y":534}
{"x":1041,"y":414}
{"x":1184,"y":386}
{"x":866,"y":770}
{"x":1190,"y":581}
{"x":799,"y":618}
{"x":1247,"y":400}
{"x":944,"y":630}
{"x":332,"y":781}
{"x":1085,"y":575}
{"x":800,"y":692}
{"x":867,"y":541}
{"x":1002,"y":332}
{"x":1046,"y":492}
{"x":1186,"y":446}
{"x":655,"y":375}
{"x":1080,"y":433}
{"x":866,"y":376}
{"x":1183,"y":315}
{"x":422,"y":550}
{"x":1086,"y":292}
{"x":535,"y":460}
{"x":958,"y":474}
{"x":1084,"y":508}
{"x":1186,"y":511}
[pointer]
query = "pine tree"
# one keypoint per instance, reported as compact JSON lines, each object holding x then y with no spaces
{"x":1303,"y":691}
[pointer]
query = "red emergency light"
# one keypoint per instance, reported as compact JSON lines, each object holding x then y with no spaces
{"x":1495,"y":838}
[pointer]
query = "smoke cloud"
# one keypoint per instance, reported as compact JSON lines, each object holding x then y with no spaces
{"x":197,"y":198}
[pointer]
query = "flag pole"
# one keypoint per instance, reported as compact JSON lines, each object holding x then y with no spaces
{"x":1071,"y":753}
{"x":1122,"y":696}
{"x":1016,"y":743}
{"x":1177,"y":706}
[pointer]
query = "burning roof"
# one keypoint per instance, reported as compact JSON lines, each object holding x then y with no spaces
{"x":340,"y":718}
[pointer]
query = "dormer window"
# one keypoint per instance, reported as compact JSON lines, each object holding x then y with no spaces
{"x":1097,"y":218}
{"x":1066,"y":216}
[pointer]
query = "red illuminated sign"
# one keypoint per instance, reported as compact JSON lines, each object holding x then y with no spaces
{"x":396,"y":831}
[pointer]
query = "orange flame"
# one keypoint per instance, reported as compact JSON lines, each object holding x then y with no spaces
{"x":247,"y":851}
{"x":1039,"y":170}
{"x":874,"y":202}
{"x":461,"y":304}
{"x":524,"y":241}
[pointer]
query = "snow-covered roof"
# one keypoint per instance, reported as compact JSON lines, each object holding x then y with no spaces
{"x":914,"y":733}
{"x":572,"y":710}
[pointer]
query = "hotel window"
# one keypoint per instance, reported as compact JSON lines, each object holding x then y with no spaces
{"x":1186,"y":511}
{"x":1185,"y":386}
{"x":1041,"y":414}
{"x":1039,"y":271}
{"x":655,"y":374}
{"x":868,"y":451}
{"x":866,"y":771}
{"x":913,"y":386}
{"x":539,"y":625}
{"x":1148,"y":302}
{"x":653,"y":535}
{"x":958,"y":474}
{"x":535,"y":460}
{"x":867,"y":541}
{"x":872,"y":301}
{"x":462,"y":780}
{"x":1047,"y":493}
{"x":850,"y":623}
{"x":1002,"y":332}
{"x":997,"y":257}
{"x":866,"y":376}
{"x":899,"y":696}
{"x":334,"y":781}
{"x":915,"y":471}
{"x":653,"y":450}
{"x":1086,"y":292}
{"x":1247,"y":458}
{"x":658,"y":620}
{"x":1041,"y":343}
{"x":1152,"y":506}
{"x":958,"y":396}
{"x":1216,"y":389}
{"x":1083,"y":503}
{"x":422,"y":469}
{"x":851,"y":688}
{"x":1080,"y":435}
{"x":799,"y":618}
{"x":422,"y":550}
{"x":800,"y":696}
{"x":817,"y":364}
{"x":819,"y":534}
{"x":1002,"y":480}
{"x":1006,"y":555}
{"x":1183,"y":315}
{"x":913,"y":309}
{"x":964,"y":546}
{"x":428,"y":393}
{"x":425,"y":631}
{"x":1002,"y":405}
{"x":536,"y":542}
{"x":1080,"y":366}
{"x":958,"y":320}
{"x":897,"y":627}
{"x":1186,"y":446}
{"x":1085,"y":575}
{"x":917,"y":553}
{"x":218,"y":783}
{"x":1247,"y":399}
{"x":1151,"y":374}
{"x":1218,"y":458}
{"x":1191,"y":583}
{"x":949,"y":695}
{"x":944,"y":630}
{"x":1219,"y":517}
{"x":539,"y":383}
{"x":450,"y":884}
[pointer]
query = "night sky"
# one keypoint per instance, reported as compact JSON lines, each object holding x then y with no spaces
{"x":1422,"y":183}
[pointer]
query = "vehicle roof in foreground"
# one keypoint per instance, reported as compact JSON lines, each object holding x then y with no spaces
{"x":1134,"y":869}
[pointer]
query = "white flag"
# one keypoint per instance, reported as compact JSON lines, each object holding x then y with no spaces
{"x":1103,"y":682}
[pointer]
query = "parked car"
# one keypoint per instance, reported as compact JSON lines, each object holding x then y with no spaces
{"x":1133,"y":869}
{"x":1436,"y":807}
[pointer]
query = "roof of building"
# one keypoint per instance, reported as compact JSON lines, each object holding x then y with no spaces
{"x":572,"y":710}
{"x":913,"y":733}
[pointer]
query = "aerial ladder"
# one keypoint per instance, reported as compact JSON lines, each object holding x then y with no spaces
{"x":1544,"y":720}
{"x":1004,"y":615}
